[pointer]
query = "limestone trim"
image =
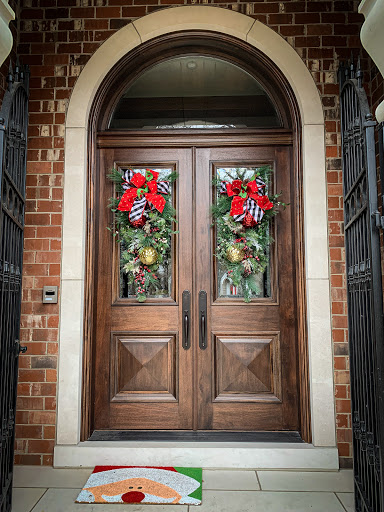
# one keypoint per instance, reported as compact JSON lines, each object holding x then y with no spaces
{"x":6,"y":39}
{"x":372,"y":37}
{"x":315,"y":205}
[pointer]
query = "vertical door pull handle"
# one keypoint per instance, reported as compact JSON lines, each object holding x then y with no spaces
{"x":203,"y":319}
{"x":186,"y":305}
{"x":186,"y":330}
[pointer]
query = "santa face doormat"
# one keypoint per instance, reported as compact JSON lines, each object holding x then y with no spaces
{"x":139,"y":484}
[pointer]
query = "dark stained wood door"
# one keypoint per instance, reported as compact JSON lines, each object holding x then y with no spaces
{"x":244,"y":375}
{"x":143,"y":376}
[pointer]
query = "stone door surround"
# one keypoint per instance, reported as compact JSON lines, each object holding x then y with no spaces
{"x":322,"y":452}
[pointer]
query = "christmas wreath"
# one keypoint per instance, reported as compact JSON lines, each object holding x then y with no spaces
{"x":143,"y":224}
{"x":241,"y":215}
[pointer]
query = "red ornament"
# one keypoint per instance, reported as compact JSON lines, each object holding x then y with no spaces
{"x":139,"y":223}
{"x":249,"y":221}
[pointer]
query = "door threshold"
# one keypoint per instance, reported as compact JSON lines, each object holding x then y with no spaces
{"x":200,"y":435}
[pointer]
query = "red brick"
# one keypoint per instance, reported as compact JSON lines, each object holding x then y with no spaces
{"x":28,"y":460}
{"x":29,"y":432}
{"x":334,"y":40}
{"x":292,"y":30}
{"x":51,"y":375}
{"x":48,"y":232}
{"x":337,"y":307}
{"x":30,"y":403}
{"x":265,"y":7}
{"x":280,"y":19}
{"x":40,"y":446}
{"x":42,"y":418}
{"x":86,"y":12}
{"x":319,"y":29}
{"x":32,"y":14}
{"x":340,"y":364}
{"x":344,"y":449}
{"x":340,"y":392}
{"x":49,"y":432}
{"x":69,"y":48}
{"x":23,"y":389}
{"x":342,"y":377}
{"x":43,"y":389}
{"x":108,"y":12}
{"x":56,"y":60}
{"x":342,"y":420}
{"x":95,"y":24}
{"x":302,"y":41}
{"x":31,"y":375}
{"x":40,"y":142}
{"x":47,"y":460}
{"x":306,"y":18}
{"x":44,"y":335}
{"x":133,"y":12}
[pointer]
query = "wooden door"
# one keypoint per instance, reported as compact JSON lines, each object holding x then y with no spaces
{"x":246,"y":375}
{"x":143,"y":376}
{"x":242,"y":375}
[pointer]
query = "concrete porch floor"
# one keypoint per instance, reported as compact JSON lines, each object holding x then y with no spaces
{"x":44,"y":489}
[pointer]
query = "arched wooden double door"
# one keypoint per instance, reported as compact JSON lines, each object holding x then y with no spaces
{"x":242,"y":376}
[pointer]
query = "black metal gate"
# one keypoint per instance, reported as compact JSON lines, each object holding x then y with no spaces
{"x":13,"y":152}
{"x":365,"y":296}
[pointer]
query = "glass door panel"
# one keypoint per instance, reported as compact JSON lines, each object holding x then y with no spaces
{"x":164,"y":286}
{"x":225,"y":288}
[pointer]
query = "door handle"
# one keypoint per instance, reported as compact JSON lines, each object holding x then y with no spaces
{"x":186,"y":304}
{"x":203,"y":319}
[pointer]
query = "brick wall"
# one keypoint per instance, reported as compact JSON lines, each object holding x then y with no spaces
{"x":57,"y":42}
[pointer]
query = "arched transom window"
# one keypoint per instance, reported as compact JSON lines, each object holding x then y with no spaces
{"x":194,"y":91}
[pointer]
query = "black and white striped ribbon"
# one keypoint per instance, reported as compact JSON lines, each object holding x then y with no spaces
{"x":254,"y":209}
{"x":250,"y":206}
{"x":137,"y":209}
{"x":127,"y":176}
{"x":163,"y":187}
{"x":260,"y":184}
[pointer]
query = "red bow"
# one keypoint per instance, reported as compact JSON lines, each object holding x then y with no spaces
{"x":140,"y":191}
{"x":247,"y":198}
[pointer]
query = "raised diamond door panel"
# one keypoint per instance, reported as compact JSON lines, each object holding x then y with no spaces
{"x":143,"y":368}
{"x":248,"y":368}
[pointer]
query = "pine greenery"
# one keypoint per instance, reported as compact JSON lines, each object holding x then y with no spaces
{"x":255,"y":241}
{"x":156,"y":233}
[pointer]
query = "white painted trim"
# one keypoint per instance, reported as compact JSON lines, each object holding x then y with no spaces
{"x":206,"y":455}
{"x":6,"y":39}
{"x":372,"y":37}
{"x":315,"y":211}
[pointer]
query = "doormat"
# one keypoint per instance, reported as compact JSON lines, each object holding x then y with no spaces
{"x":143,"y":484}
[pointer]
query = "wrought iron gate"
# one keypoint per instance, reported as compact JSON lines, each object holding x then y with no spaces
{"x":13,"y":149}
{"x":365,"y":298}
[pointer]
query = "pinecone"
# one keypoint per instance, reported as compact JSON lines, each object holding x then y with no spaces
{"x":139,"y":223}
{"x":249,"y":221}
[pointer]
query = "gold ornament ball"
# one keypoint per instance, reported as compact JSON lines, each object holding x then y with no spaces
{"x":234,"y":254}
{"x":148,"y":255}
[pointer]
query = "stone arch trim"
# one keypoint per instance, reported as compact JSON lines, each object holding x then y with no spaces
{"x":315,"y":205}
{"x":176,"y":19}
